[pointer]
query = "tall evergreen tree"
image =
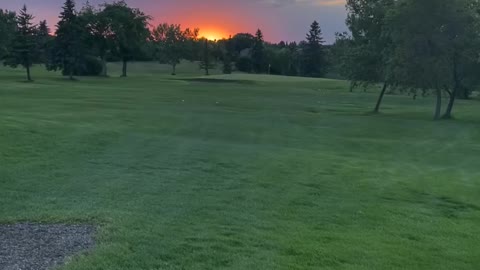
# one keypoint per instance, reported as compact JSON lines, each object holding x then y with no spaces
{"x":23,"y":49}
{"x":258,"y":53}
{"x":43,"y":41}
{"x":67,"y":47}
{"x":313,"y":56}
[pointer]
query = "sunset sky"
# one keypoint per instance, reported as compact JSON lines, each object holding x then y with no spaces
{"x":279,"y":19}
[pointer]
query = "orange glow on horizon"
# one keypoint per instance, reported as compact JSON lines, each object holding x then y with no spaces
{"x":213,"y":34}
{"x":212,"y":24}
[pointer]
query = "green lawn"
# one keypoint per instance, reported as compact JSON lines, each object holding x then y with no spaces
{"x":240,"y":171}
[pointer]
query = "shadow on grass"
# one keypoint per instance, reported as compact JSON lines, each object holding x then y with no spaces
{"x":447,"y":206}
{"x":26,"y":81}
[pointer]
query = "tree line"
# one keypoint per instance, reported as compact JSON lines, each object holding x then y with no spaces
{"x":428,"y":46}
{"x":408,"y":46}
{"x":86,"y":39}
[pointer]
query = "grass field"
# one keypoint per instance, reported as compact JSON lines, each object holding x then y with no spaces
{"x":240,"y":171}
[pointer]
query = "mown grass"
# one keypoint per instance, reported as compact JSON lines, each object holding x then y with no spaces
{"x":263,"y":172}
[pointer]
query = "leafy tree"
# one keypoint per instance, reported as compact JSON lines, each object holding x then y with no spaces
{"x":206,"y":62}
{"x":24,"y":48}
{"x":258,"y":53}
{"x":172,"y":44}
{"x":366,"y":59}
{"x":282,"y":58}
{"x":8,"y":26}
{"x":462,"y":30}
{"x":340,"y":63}
{"x":129,"y":30}
{"x":67,"y":46}
{"x":437,"y":46}
{"x":314,"y":58}
{"x":191,"y":47}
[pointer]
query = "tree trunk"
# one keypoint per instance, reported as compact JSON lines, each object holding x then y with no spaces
{"x":380,"y":98}
{"x":207,"y":72}
{"x":104,"y":66}
{"x":72,"y":64}
{"x":29,"y":78}
{"x":174,"y":69}
{"x":463,"y":92}
{"x":352,"y":86}
{"x":438,"y":107}
{"x":124,"y":69}
{"x":451,"y":102}
{"x":455,"y":92}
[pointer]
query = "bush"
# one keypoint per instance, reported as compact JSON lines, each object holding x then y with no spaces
{"x":244,"y":64}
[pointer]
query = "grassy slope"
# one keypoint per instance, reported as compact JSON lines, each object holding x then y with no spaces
{"x":269,"y":173}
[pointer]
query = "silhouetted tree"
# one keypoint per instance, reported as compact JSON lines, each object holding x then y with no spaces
{"x":191,"y":47}
{"x":67,"y":46}
{"x":172,"y":44}
{"x":258,"y":53}
{"x":129,"y":30}
{"x":206,"y":62}
{"x":242,"y":42}
{"x":43,"y":39}
{"x":313,"y":55}
{"x":226,"y":46}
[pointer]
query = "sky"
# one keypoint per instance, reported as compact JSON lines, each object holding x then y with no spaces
{"x":286,"y":20}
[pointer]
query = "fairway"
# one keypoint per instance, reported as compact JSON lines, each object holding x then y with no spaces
{"x":240,"y":171}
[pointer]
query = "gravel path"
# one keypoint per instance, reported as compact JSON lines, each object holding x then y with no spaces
{"x":40,"y":246}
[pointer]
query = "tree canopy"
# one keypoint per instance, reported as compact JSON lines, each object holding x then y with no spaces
{"x":174,"y":44}
{"x":128,"y":28}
